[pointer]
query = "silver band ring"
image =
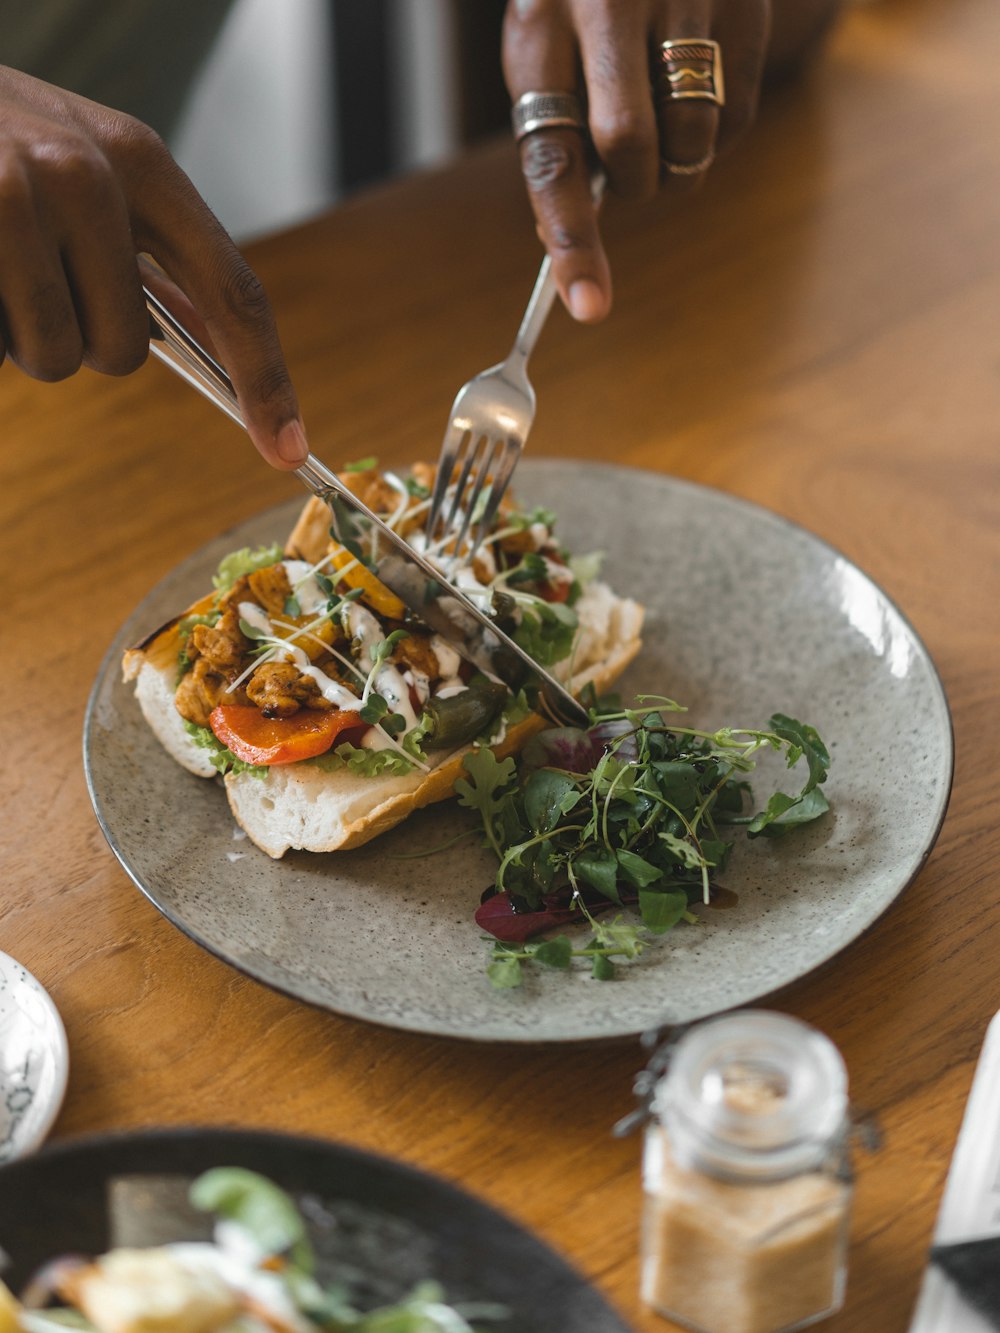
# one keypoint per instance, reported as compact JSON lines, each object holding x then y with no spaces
{"x":692,"y":69}
{"x":689,"y":168}
{"x":545,"y":111}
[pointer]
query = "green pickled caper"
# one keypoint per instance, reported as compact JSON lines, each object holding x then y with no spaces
{"x":459,"y":718}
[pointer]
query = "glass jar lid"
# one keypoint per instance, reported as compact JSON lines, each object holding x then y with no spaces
{"x":753,"y":1094}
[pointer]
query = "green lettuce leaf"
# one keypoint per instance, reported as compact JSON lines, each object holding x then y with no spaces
{"x":245,"y":561}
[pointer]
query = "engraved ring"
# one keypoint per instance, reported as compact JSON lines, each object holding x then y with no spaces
{"x":692,"y":69}
{"x":545,"y":111}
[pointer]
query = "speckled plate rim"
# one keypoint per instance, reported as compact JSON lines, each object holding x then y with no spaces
{"x":569,"y":473}
{"x":475,"y":1241}
{"x":57,"y":1051}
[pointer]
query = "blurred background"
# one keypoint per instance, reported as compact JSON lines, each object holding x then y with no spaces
{"x":278,"y":108}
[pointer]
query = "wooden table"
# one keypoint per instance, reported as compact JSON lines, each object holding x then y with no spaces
{"x":815,"y":331}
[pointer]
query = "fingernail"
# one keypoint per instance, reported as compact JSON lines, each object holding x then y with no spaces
{"x":586,"y":300}
{"x":290,"y":443}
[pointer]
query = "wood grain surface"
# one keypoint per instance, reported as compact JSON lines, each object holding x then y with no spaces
{"x":816,"y":330}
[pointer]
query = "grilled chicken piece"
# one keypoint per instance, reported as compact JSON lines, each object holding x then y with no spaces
{"x":279,"y":689}
{"x":223,"y":645}
{"x":268,"y":587}
{"x":372,"y":489}
{"x":200,"y":690}
{"x":416,"y":652}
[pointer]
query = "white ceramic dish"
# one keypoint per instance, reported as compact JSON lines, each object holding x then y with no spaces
{"x":34,"y":1061}
{"x":747,"y":615}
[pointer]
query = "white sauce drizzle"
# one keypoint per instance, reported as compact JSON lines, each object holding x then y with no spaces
{"x":256,"y":616}
{"x":305,"y":586}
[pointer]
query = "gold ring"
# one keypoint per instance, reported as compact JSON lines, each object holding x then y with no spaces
{"x":692,"y":69}
{"x":689,"y":168}
{"x":544,"y":111}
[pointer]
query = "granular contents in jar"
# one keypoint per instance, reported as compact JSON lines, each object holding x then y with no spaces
{"x":743,"y":1258}
{"x":750,"y":1090}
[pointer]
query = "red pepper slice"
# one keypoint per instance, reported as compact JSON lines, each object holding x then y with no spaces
{"x":257,"y":739}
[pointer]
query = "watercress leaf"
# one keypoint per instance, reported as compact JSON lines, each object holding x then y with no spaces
{"x":362,"y":464}
{"x":715,"y":852}
{"x":783,"y":813}
{"x":602,"y":968}
{"x":488,"y":782}
{"x":682,"y":850}
{"x":660,"y":911}
{"x":636,"y":869}
{"x":598,"y":867}
{"x":678,"y":782}
{"x":488,"y":789}
{"x":619,"y":936}
{"x":730,"y":797}
{"x":545,"y":795}
{"x":805,"y":740}
{"x":557,"y":952}
{"x":504,"y":972}
{"x":259,"y":1206}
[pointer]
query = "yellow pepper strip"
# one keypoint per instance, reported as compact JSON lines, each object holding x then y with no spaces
{"x":374,"y":591}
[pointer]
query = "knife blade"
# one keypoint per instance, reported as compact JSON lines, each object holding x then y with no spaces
{"x":419,"y":584}
{"x":970,"y":1208}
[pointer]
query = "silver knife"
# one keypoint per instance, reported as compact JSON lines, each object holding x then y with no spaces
{"x":415,"y":580}
{"x":970,"y":1207}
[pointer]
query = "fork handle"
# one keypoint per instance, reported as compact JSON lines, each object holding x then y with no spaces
{"x":537,"y":312}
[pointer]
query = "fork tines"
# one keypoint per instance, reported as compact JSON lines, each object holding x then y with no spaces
{"x":473,"y":474}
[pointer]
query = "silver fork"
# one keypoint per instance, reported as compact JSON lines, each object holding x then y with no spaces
{"x":490,"y":420}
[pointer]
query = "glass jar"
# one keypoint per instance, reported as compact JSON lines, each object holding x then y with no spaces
{"x":746,"y":1199}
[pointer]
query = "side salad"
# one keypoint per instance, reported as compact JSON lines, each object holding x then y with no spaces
{"x":257,"y":1275}
{"x":634,"y":811}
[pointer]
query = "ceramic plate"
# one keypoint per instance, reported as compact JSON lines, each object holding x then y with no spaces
{"x":376,"y":1225}
{"x":747,"y":615}
{"x":34,"y":1061}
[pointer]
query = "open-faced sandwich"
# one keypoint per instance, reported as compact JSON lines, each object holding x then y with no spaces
{"x":331,"y":711}
{"x":258,"y":1274}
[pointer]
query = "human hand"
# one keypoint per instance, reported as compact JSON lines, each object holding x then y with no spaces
{"x":83,"y":192}
{"x":642,"y":139}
